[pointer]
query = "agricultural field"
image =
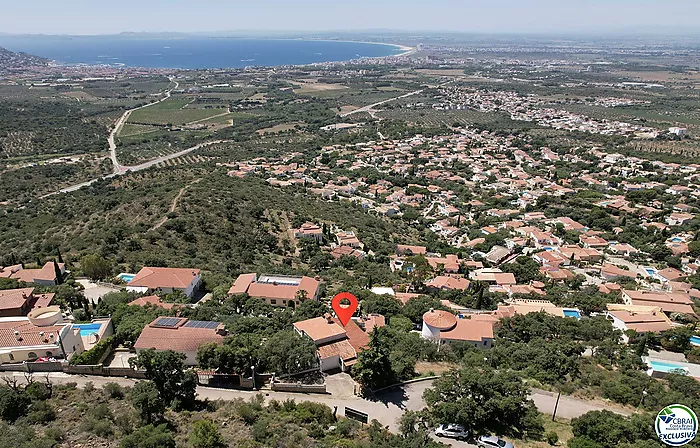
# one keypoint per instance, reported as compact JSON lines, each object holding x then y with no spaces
{"x":174,"y":111}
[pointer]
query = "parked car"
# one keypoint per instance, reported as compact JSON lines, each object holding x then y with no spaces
{"x":492,"y":442}
{"x":452,"y":431}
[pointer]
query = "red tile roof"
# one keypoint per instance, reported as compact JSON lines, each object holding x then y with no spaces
{"x":440,"y":319}
{"x":153,"y":278}
{"x":240,"y":286}
{"x":151,"y":300}
{"x":28,"y":334}
{"x":320,"y":328}
{"x":472,"y":330}
{"x":11,"y":299}
{"x":180,"y":338}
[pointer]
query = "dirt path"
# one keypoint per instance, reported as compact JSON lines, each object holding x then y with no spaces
{"x":173,"y":206}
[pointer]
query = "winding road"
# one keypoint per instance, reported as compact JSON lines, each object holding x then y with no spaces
{"x":370,"y":108}
{"x":387,"y":408}
{"x":119,"y":169}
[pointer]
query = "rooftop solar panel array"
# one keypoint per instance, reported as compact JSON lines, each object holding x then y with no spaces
{"x":167,"y":322}
{"x":202,"y":324}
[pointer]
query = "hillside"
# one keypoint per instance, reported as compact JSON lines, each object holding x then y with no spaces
{"x":12,"y":60}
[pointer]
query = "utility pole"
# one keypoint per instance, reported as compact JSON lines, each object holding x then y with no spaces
{"x":556,"y":405}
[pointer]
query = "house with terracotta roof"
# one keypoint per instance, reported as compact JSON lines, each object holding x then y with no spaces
{"x":557,"y":274}
{"x":348,"y":238}
{"x":309,"y":230}
{"x":445,"y":282}
{"x":347,"y":251}
{"x":573,"y":252}
{"x":277,"y":290}
{"x":442,"y":327}
{"x":180,"y":335}
{"x":165,"y":281}
{"x":46,"y":275}
{"x":41,"y":334}
{"x":154,"y":301}
{"x":610,"y":271}
{"x":337,"y":347}
{"x":642,"y":319}
{"x":668,"y":302}
{"x":19,"y":302}
{"x":405,"y":249}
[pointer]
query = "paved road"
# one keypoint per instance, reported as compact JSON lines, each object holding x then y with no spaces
{"x":118,"y":126}
{"x":143,"y":166}
{"x":372,"y":106}
{"x":386,"y":409}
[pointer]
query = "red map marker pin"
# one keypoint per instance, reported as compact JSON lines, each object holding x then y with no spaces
{"x":344,"y":313}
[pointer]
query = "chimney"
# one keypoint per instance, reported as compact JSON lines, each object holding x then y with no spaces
{"x":17,"y":336}
{"x":328,"y":317}
{"x":51,"y":336}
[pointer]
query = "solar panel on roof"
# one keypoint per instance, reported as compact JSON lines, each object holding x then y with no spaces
{"x":202,"y":324}
{"x":167,"y":322}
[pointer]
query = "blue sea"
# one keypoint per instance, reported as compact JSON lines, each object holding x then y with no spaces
{"x":191,"y":52}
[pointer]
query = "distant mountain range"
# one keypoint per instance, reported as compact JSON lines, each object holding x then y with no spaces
{"x":12,"y":60}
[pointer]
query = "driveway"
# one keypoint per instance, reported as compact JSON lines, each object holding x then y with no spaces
{"x":94,"y":292}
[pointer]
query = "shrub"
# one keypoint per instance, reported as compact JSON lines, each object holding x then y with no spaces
{"x":89,"y":387}
{"x":41,"y":412}
{"x":94,"y":355}
{"x":38,"y":391}
{"x":149,"y":437}
{"x":114,"y":390}
{"x":13,"y":404}
{"x":552,"y":438}
{"x":205,"y":434}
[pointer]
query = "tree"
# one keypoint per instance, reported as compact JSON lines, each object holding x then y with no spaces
{"x":57,"y":273}
{"x":167,"y":371}
{"x":415,"y":307}
{"x":146,"y":399}
{"x":287,"y":352}
{"x":676,"y":339}
{"x":95,"y":267}
{"x":149,"y":437}
{"x":373,"y":368}
{"x":13,"y":403}
{"x":205,"y":434}
{"x":484,"y":401}
{"x":310,"y":309}
{"x":385,"y":305}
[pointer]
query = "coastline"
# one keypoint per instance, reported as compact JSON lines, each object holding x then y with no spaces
{"x":400,"y":51}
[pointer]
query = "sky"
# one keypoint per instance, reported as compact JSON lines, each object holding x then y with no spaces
{"x":478,"y":16}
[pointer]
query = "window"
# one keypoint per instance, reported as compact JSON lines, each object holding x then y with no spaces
{"x":486,"y":342}
{"x":273,"y":302}
{"x":31,"y":355}
{"x":49,"y":354}
{"x":12,"y":357}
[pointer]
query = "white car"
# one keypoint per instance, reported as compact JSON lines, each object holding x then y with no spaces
{"x":452,"y":431}
{"x":492,"y":442}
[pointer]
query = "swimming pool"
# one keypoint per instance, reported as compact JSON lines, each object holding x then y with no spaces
{"x":572,"y":313}
{"x":650,"y":271}
{"x":676,"y":239}
{"x":695,"y":340}
{"x":88,"y":329}
{"x":662,"y":366}
{"x":126,"y":277}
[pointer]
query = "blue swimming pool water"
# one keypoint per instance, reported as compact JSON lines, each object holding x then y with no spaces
{"x":675,"y":239}
{"x":572,"y":313}
{"x":650,"y":271}
{"x":661,"y":366}
{"x":695,"y":340}
{"x":126,"y":277}
{"x":88,"y":329}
